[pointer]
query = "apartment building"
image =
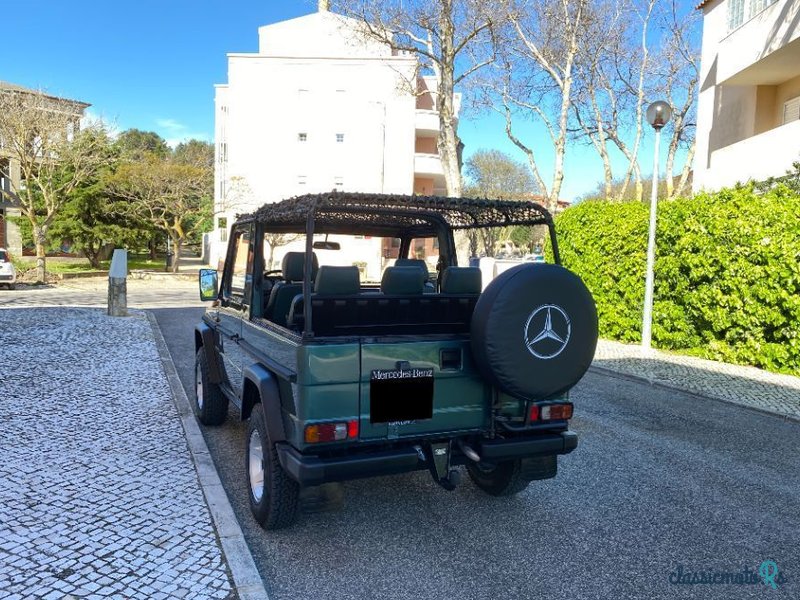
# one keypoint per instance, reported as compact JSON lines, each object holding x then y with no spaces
{"x":748,"y":121}
{"x":319,"y":107}
{"x":10,"y":237}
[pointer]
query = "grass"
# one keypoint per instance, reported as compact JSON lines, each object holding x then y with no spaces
{"x":81,"y":265}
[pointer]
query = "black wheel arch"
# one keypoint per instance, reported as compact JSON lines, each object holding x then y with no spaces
{"x":204,"y":338}
{"x":261,"y":385}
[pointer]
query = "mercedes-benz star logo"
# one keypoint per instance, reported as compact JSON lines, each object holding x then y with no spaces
{"x":547,"y":331}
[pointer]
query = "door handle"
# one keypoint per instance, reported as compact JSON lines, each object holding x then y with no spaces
{"x":235,"y":337}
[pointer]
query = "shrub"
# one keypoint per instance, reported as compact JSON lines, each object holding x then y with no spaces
{"x":727,"y":272}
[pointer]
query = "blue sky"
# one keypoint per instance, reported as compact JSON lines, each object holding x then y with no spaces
{"x":152,"y":65}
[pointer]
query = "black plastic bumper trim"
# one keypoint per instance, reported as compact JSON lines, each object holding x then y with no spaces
{"x":540,"y":445}
{"x":313,"y":470}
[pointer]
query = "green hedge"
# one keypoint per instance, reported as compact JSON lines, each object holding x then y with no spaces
{"x":727,"y":273}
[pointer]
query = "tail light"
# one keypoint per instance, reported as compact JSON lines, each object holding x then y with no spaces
{"x":550,"y":412}
{"x":331,"y":432}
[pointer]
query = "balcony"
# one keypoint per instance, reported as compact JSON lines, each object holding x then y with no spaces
{"x":764,"y":50}
{"x":427,"y":165}
{"x":427,"y":122}
{"x":768,"y":154}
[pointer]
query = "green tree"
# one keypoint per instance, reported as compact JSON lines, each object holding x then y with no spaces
{"x":196,"y":153}
{"x":168,"y":194}
{"x":41,"y":133}
{"x":135,"y":144}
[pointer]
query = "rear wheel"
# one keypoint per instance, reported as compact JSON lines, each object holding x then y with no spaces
{"x":273,"y":494}
{"x":210,"y":404}
{"x":503,"y":479}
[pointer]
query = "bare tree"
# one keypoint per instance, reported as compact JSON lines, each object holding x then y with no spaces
{"x":42,"y":135}
{"x":535,"y":78}
{"x":676,"y":81}
{"x":615,"y":78}
{"x":449,"y":38}
{"x":648,"y":53}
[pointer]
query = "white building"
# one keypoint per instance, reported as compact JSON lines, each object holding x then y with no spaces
{"x":318,"y":107}
{"x":748,"y":121}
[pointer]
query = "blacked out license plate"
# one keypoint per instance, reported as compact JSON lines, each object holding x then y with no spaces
{"x":400,"y":395}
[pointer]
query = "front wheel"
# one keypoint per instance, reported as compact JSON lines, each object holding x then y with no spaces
{"x":503,"y":479}
{"x":210,"y":404}
{"x":273,"y":494}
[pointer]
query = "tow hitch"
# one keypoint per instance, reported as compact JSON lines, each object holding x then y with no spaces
{"x":439,"y":464}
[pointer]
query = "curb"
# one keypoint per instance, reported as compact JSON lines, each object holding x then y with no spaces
{"x":246,"y":579}
{"x":693,"y":394}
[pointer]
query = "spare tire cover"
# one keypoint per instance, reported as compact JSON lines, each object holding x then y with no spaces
{"x":534,"y":330}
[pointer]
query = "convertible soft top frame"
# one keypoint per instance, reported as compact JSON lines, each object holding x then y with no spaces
{"x":392,"y":215}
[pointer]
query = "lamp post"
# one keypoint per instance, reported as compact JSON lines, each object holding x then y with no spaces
{"x":658,"y":115}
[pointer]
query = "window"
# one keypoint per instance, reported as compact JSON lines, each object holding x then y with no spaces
{"x":741,"y":11}
{"x":222,"y":226}
{"x":223,"y":152}
{"x":238,"y":286}
{"x":5,"y":180}
{"x":302,"y":137}
{"x":338,"y":182}
{"x":791,"y":110}
{"x":339,"y":138}
{"x":301,"y":180}
{"x":426,"y":249}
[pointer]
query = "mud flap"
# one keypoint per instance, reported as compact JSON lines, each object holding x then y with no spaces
{"x":439,"y":465}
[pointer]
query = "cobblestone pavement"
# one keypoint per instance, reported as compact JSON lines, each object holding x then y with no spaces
{"x":98,"y":494}
{"x":746,"y":386}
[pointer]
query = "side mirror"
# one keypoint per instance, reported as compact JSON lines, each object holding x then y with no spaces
{"x":208,"y":284}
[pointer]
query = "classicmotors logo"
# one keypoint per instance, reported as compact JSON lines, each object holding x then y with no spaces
{"x":767,"y":574}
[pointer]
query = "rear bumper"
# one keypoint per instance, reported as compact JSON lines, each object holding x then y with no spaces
{"x":315,"y":470}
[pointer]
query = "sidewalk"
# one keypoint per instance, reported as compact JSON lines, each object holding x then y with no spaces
{"x":99,"y":496}
{"x":746,"y":386}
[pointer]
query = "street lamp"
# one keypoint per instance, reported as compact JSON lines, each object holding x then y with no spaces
{"x":658,"y":115}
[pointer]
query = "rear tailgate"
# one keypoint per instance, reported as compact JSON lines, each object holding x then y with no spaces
{"x":460,"y":399}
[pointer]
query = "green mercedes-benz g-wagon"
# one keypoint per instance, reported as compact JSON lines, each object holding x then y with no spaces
{"x":372,"y":352}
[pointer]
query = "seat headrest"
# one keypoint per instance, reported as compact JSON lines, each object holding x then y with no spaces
{"x":340,"y":281}
{"x":406,"y":281}
{"x":294,"y":264}
{"x":413,"y":262}
{"x":461,"y":280}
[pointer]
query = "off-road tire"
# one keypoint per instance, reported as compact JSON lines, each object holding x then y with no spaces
{"x":505,"y":479}
{"x":214,"y":408}
{"x":278,"y":506}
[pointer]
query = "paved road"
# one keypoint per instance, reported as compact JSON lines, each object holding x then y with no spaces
{"x":142,"y":293}
{"x":659,"y":480}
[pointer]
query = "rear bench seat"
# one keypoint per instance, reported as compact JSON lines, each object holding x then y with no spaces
{"x":402,"y":307}
{"x":279,"y":301}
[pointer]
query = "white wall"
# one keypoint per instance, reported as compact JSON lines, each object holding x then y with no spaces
{"x":311,"y":77}
{"x":765,"y":155}
{"x":733,"y":65}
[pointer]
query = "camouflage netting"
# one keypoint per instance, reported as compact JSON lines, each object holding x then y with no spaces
{"x":341,"y":212}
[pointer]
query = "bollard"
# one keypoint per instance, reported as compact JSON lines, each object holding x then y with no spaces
{"x":117,"y":284}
